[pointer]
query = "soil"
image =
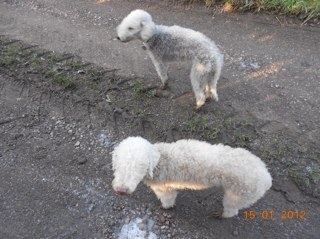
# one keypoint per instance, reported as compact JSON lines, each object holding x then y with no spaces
{"x":69,"y":92}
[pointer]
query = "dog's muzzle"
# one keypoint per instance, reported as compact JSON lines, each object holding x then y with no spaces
{"x":122,"y":191}
{"x":124,"y":40}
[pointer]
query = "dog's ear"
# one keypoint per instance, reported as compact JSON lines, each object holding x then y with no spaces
{"x":147,"y":29}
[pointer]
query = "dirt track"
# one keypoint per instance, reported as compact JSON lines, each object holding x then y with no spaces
{"x":61,"y":116}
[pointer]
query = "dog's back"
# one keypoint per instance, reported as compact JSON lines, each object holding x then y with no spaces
{"x":176,"y":42}
{"x":219,"y":163}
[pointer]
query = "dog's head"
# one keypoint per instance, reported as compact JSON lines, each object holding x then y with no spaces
{"x":137,"y":25}
{"x":132,"y":160}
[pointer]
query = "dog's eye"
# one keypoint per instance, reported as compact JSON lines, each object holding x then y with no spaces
{"x":130,"y":28}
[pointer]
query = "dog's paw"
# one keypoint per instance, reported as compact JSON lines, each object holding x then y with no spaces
{"x":166,"y":207}
{"x":161,"y":208}
{"x":214,"y":95}
{"x":164,"y":86}
{"x":199,"y":104}
{"x":196,"y":109}
{"x":231,"y":212}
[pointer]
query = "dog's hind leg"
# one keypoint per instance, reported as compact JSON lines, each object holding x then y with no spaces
{"x":230,"y":204}
{"x":199,"y":77}
{"x":167,"y":197}
{"x":161,"y":68}
{"x":215,"y":75}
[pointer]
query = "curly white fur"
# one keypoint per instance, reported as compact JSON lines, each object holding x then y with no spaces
{"x":165,"y":43}
{"x":190,"y":164}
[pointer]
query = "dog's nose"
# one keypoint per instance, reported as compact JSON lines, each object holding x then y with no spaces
{"x":122,"y":191}
{"x":118,"y":38}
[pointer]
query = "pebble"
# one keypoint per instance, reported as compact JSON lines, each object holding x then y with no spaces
{"x":82,"y":160}
{"x":162,"y":219}
{"x":142,"y":226}
{"x":77,"y":144}
{"x":235,"y":233}
{"x":150,"y":224}
{"x":127,"y":220}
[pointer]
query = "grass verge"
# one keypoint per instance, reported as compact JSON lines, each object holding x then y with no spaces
{"x":305,"y":9}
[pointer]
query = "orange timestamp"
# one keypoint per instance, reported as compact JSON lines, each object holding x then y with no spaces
{"x":270,"y":214}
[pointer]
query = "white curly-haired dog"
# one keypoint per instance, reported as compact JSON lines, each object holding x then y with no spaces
{"x":165,"y":44}
{"x":190,"y":164}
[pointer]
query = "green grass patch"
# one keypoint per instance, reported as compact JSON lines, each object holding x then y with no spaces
{"x":36,"y":64}
{"x":315,"y":174}
{"x":309,"y":9}
{"x":7,"y":61}
{"x":199,"y":124}
{"x":76,"y":65}
{"x":64,"y":81}
{"x":138,"y":89}
{"x":49,"y":73}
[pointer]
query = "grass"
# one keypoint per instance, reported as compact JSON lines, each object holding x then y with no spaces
{"x":49,"y":73}
{"x":138,"y":89}
{"x":76,"y":65}
{"x":7,"y":61}
{"x":309,"y":9}
{"x":277,"y":150}
{"x":36,"y":64}
{"x":199,"y":124}
{"x":306,"y":176}
{"x":315,"y":174}
{"x":64,"y":81}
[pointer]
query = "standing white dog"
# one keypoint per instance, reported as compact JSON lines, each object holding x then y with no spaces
{"x":190,"y":164}
{"x":165,"y":43}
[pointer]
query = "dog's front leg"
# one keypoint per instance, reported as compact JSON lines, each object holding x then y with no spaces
{"x":167,"y":197}
{"x":161,"y":68}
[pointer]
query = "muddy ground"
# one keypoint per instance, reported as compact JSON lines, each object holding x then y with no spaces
{"x":61,"y":116}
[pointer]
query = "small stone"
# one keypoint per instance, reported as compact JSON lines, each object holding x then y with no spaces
{"x":80,"y":72}
{"x":235,"y":233}
{"x":70,"y":131}
{"x":255,"y":65}
{"x":77,"y":144}
{"x":162,"y":219}
{"x":82,"y":161}
{"x":151,"y":223}
{"x":142,"y":226}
